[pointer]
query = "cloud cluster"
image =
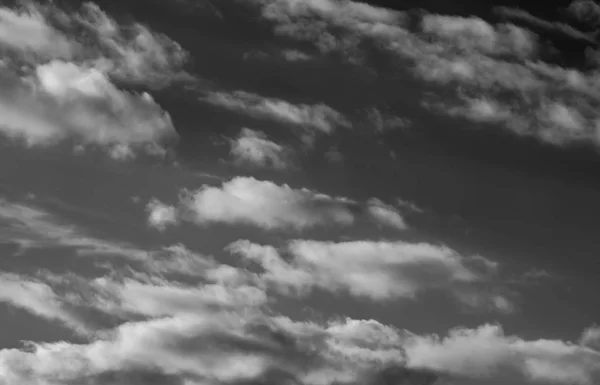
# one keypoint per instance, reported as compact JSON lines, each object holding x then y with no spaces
{"x":267,"y":205}
{"x":150,"y":321}
{"x":217,"y":332}
{"x":59,"y":75}
{"x":493,"y":73}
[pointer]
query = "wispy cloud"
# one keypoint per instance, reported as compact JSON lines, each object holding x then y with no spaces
{"x":254,"y":148}
{"x":310,"y":119}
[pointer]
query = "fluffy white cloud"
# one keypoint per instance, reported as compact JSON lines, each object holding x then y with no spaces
{"x":255,"y":148}
{"x":268,"y":205}
{"x":376,"y":270}
{"x":63,"y":100}
{"x":246,"y":200}
{"x":486,"y":352}
{"x":160,"y":215}
{"x":58,"y":80}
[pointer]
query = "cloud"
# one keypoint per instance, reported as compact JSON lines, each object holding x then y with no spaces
{"x":476,"y":34}
{"x":311,"y":120}
{"x":160,"y":215}
{"x":31,"y":227}
{"x":188,"y":341}
{"x":493,"y":73}
{"x":591,"y":337}
{"x":28,"y":32}
{"x":65,"y":101}
{"x":267,"y":205}
{"x":485,"y":352}
{"x":376,"y":270}
{"x":130,"y":52}
{"x":39,"y":299}
{"x":58,"y":80}
{"x":255,"y":149}
{"x":555,"y":26}
{"x":386,"y":214}
{"x":586,"y":11}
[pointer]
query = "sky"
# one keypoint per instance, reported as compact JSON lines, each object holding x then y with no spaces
{"x":302,"y":192}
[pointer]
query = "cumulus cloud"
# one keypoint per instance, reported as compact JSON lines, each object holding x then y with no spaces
{"x":376,"y":270}
{"x":310,"y":120}
{"x":261,"y":203}
{"x":256,"y":149}
{"x":58,"y":80}
{"x":486,"y":352}
{"x":63,"y":100}
{"x":160,"y":215}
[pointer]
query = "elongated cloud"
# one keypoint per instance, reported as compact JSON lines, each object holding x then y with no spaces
{"x":487,"y":352}
{"x":376,"y":270}
{"x":249,"y":201}
{"x":310,"y":120}
{"x":32,"y":227}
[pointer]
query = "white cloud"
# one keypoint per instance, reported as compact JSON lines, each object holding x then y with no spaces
{"x":591,"y":337}
{"x":38,"y":298}
{"x":493,"y":70}
{"x":58,"y":80}
{"x":311,"y":120}
{"x":161,"y":215}
{"x":476,"y":34}
{"x":376,"y":270}
{"x":248,"y":201}
{"x":486,"y":352}
{"x":386,"y":214}
{"x":65,"y":101}
{"x":28,"y":32}
{"x":132,"y":53}
{"x":265,"y":204}
{"x":255,"y":148}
